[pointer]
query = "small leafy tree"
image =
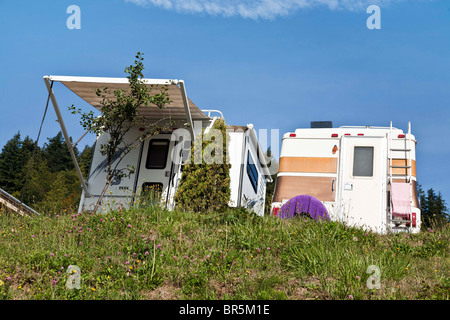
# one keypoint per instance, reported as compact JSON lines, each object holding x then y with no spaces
{"x":119,"y":113}
{"x":205,"y":186}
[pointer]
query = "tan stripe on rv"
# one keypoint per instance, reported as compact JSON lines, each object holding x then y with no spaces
{"x":308,"y":164}
{"x":403,"y":171}
{"x":288,"y":187}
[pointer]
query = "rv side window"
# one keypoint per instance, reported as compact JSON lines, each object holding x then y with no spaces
{"x":252,"y":172}
{"x":158,"y":149}
{"x":363,"y":162}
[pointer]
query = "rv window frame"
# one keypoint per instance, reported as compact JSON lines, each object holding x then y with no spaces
{"x":373,"y":162}
{"x":250,"y":172}
{"x":148,"y":154}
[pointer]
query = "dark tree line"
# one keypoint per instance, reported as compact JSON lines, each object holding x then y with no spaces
{"x":52,"y":185}
{"x":434,"y":210}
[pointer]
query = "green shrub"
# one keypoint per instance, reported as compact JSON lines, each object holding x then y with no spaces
{"x":205,"y":186}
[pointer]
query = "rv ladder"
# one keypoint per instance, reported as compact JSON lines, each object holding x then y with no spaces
{"x":392,"y":221}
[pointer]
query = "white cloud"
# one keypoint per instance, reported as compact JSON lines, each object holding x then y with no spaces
{"x":255,"y":9}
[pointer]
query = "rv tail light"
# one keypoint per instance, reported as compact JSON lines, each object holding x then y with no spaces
{"x":414,"y":222}
{"x":401,"y":135}
{"x":360,"y":134}
{"x":275,"y":211}
{"x":347,"y":134}
{"x":334,"y":135}
{"x":292,"y":135}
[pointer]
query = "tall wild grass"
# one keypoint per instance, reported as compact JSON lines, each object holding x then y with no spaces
{"x":150,"y":253}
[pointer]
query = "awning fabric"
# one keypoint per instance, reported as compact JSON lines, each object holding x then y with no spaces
{"x":86,"y":87}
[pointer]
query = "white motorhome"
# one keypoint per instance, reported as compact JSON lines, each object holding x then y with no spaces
{"x":365,"y":176}
{"x":159,"y":160}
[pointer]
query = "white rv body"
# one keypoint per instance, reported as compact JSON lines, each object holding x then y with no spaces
{"x":247,"y":182}
{"x":351,"y":170}
{"x":159,"y":160}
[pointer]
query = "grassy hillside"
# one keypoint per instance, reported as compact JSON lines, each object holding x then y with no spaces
{"x":149,"y":253}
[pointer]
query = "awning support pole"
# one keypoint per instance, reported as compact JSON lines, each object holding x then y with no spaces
{"x":66,"y":135}
{"x":186,"y":108}
{"x":84,"y":134}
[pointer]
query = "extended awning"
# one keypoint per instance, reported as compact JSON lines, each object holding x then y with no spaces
{"x":180,"y":107}
{"x":86,"y":87}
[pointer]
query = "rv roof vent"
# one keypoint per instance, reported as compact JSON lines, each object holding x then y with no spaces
{"x":321,"y":124}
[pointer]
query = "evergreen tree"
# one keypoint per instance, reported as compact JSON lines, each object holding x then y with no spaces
{"x":441,"y":207}
{"x":434,"y":211}
{"x":10,"y":160}
{"x":28,"y":146}
{"x":57,"y":155}
{"x":39,"y":180}
{"x":14,"y":156}
{"x":422,"y":198}
{"x":84,"y":160}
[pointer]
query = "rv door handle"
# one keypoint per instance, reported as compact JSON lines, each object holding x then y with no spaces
{"x":332,"y":185}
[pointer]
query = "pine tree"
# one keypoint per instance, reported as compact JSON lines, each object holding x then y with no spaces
{"x":84,"y":160}
{"x":57,"y":155}
{"x":39,"y":180}
{"x":28,"y":146}
{"x":434,"y":211}
{"x":422,"y":198}
{"x":9,"y":160}
{"x":12,"y":161}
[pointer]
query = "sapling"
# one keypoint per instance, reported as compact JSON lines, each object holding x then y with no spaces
{"x":119,"y":113}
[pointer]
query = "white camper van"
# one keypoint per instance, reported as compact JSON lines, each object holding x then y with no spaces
{"x":159,"y":160}
{"x":365,"y":176}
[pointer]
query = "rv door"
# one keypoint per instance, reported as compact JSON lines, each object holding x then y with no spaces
{"x":363,"y":183}
{"x":155,"y":168}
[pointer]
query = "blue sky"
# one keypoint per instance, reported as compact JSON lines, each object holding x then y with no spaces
{"x":276,"y":64}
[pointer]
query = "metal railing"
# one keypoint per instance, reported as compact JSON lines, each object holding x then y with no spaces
{"x":14,"y":204}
